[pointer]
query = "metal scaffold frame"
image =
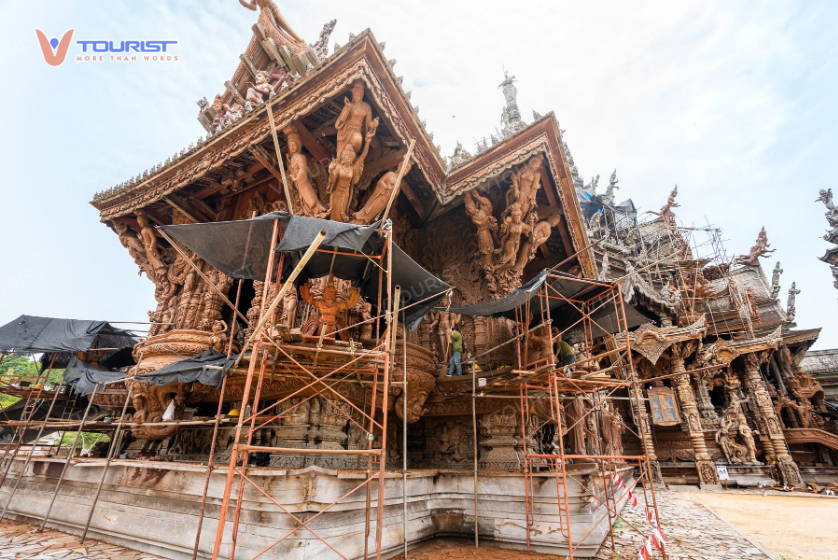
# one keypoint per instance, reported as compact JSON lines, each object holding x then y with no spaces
{"x":543,"y":379}
{"x":318,"y":377}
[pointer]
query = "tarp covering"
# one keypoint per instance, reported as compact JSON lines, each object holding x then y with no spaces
{"x":84,"y":377}
{"x":192,"y":369}
{"x":562,"y":313}
{"x":241,"y":249}
{"x":30,"y":334}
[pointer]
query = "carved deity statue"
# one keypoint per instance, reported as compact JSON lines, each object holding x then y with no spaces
{"x":379,"y":198}
{"x":479,"y":208}
{"x":134,"y":246}
{"x":219,"y":338}
{"x":271,"y":18}
{"x":540,"y":234}
{"x":364,"y":308}
{"x":329,"y":306}
{"x":526,"y":182}
{"x":289,"y":307}
{"x":791,"y":310}
{"x":298,"y":173}
{"x":760,"y":249}
{"x":259,"y":92}
{"x":747,"y":439}
{"x":612,"y":430}
{"x":666,"y":213}
{"x":576,"y":411}
{"x":612,"y":186}
{"x":355,"y":123}
{"x":344,"y":173}
{"x":775,"y":280}
{"x":149,"y":240}
{"x":441,"y":324}
{"x":510,"y":231}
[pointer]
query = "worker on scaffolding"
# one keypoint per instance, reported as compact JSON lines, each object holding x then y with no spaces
{"x":562,"y":350}
{"x":456,"y":340}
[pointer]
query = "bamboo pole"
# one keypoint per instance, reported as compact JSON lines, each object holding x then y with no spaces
{"x":69,"y":457}
{"x":402,"y":170}
{"x":404,"y":433}
{"x":31,"y":450}
{"x":290,"y":282}
{"x":210,"y":462}
{"x":202,"y":275}
{"x":116,"y":441}
{"x":279,"y":161}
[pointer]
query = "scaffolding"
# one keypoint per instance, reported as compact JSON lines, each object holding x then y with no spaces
{"x":546,"y":387}
{"x":321,"y":365}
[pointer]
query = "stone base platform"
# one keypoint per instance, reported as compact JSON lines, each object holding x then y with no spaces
{"x":154,"y":507}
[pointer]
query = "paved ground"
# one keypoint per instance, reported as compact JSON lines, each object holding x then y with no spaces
{"x":19,"y":540}
{"x":693,"y":533}
{"x":797,"y":527}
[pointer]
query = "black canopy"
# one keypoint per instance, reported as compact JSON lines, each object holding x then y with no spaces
{"x":241,"y":249}
{"x":84,"y":377}
{"x":203,"y":368}
{"x":30,"y":334}
{"x":562,"y":313}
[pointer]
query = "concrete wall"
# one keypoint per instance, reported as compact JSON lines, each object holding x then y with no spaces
{"x":154,"y":506}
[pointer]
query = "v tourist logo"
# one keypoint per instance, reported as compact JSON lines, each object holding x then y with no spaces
{"x":55,"y":51}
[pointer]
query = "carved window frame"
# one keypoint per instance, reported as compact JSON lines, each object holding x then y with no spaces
{"x":664,"y":406}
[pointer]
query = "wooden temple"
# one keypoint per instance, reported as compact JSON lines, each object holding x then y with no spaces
{"x":710,"y":378}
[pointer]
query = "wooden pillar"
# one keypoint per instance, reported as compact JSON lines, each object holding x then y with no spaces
{"x":689,"y":408}
{"x":761,"y":398}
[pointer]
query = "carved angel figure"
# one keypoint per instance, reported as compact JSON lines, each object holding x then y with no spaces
{"x":298,"y":172}
{"x":479,"y":208}
{"x":379,"y":198}
{"x":760,"y":249}
{"x":529,"y":181}
{"x":355,"y":122}
{"x":134,"y":246}
{"x":329,"y":306}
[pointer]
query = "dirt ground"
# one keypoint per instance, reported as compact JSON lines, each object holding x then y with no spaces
{"x":797,"y":528}
{"x":460,"y":550}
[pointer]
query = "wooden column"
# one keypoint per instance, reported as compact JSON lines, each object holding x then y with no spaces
{"x":762,"y":401}
{"x":689,"y":408}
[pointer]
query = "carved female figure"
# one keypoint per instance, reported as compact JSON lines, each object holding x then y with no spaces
{"x":379,"y":198}
{"x":298,"y":173}
{"x":479,"y":209}
{"x":540,"y":234}
{"x":355,"y":122}
{"x":529,"y":181}
{"x":149,"y":240}
{"x":511,"y":231}
{"x":344,"y":174}
{"x":271,"y":18}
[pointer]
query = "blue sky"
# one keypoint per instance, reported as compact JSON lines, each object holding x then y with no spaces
{"x":735,"y":103}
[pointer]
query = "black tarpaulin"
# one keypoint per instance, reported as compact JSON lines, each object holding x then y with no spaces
{"x":30,"y":334}
{"x":84,"y":377}
{"x":564,"y":314}
{"x":241,"y":248}
{"x":208,"y":368}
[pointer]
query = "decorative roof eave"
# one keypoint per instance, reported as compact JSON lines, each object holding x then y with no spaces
{"x":651,"y":341}
{"x":725,"y":351}
{"x":806,"y":337}
{"x":362,"y":58}
{"x":541,"y":136}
